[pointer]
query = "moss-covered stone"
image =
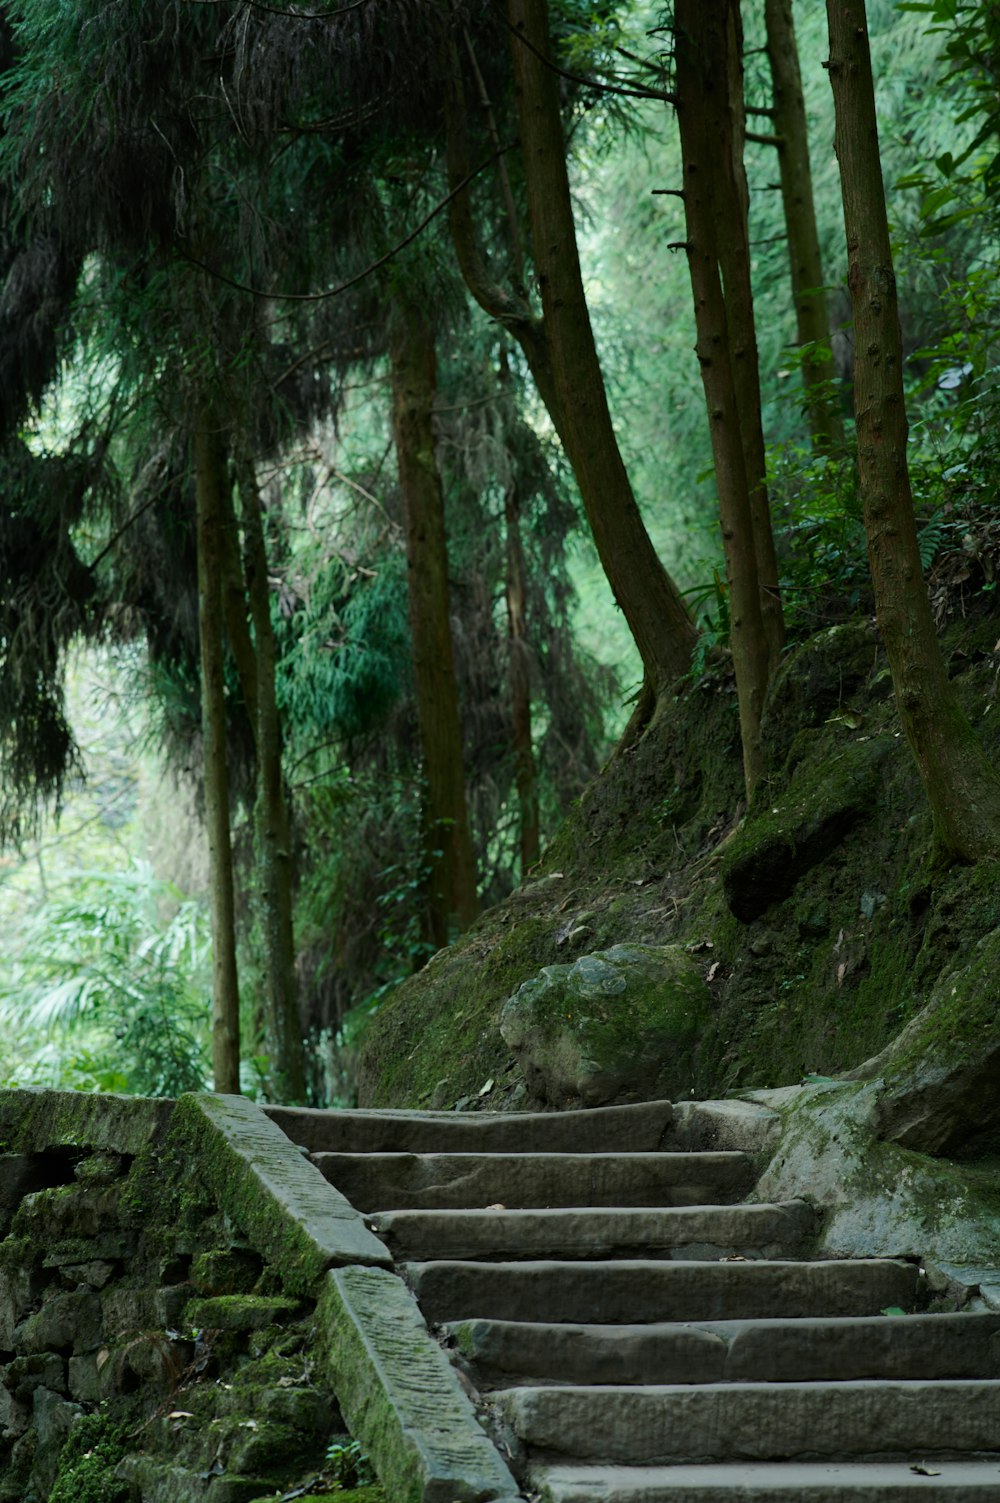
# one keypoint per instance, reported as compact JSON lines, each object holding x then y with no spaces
{"x":241,"y":1312}
{"x":619,"y":1025}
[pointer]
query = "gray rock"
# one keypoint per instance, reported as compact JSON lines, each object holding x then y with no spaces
{"x":879,"y":1198}
{"x":65,"y":1321}
{"x":53,"y":1418}
{"x":620,"y":1024}
{"x":941,"y":1073}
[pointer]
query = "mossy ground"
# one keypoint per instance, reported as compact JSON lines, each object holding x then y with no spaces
{"x":821,"y":978}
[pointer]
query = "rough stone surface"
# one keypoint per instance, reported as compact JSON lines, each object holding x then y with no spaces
{"x":757,"y":1421}
{"x":761,"y":1482}
{"x":620,"y":1024}
{"x":39,"y":1120}
{"x":940,"y":1076}
{"x":784,"y":1350}
{"x":293,"y":1217}
{"x":879,"y":1199}
{"x":612,"y":1292}
{"x":380,"y":1181}
{"x":241,"y":1312}
{"x":747,"y":1126}
{"x":639,"y":1128}
{"x":715,"y":1231}
{"x":401,"y":1396}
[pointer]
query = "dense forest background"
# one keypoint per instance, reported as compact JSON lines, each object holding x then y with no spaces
{"x":298,"y":581}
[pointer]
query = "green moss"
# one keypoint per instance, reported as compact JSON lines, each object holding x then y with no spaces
{"x":240,"y":1312}
{"x":87,"y":1462}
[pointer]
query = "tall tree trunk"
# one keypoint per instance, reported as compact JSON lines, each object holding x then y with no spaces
{"x":962,"y":786}
{"x":656,"y":615}
{"x":791,"y":130}
{"x":448,"y":849}
{"x":272,"y":821}
{"x":520,"y":686}
{"x":210,"y":481}
{"x":732,"y":225}
{"x":702,"y":98}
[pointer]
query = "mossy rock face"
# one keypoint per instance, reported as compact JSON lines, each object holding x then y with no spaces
{"x":619,"y":1025}
{"x":824,"y":800}
{"x":942,"y":1073}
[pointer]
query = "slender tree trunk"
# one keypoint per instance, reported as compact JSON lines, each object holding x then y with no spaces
{"x":657,"y":616}
{"x":826,"y":425}
{"x":962,"y":786}
{"x":272,"y":821}
{"x":520,"y":686}
{"x":449,"y":858}
{"x":210,"y":480}
{"x":702,"y":90}
{"x":732,"y":224}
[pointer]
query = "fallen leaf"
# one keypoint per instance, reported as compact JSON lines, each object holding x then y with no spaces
{"x":841,"y":972}
{"x":893,"y":1310}
{"x":498,"y":1207}
{"x":924,"y":1471}
{"x":180,"y":1414}
{"x":712,"y":970}
{"x":487,"y":1088}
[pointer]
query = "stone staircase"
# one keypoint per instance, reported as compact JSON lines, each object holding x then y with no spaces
{"x":638,"y":1333}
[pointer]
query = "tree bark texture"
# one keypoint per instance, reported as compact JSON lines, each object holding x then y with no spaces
{"x":962,"y":786}
{"x":210,"y":483}
{"x":272,"y":821}
{"x":520,"y":687}
{"x":702,"y":89}
{"x":826,"y":425}
{"x":448,"y":843}
{"x":732,"y":222}
{"x":656,"y":615}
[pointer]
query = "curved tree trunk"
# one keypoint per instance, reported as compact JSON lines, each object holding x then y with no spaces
{"x":702,"y":97}
{"x":962,"y":786}
{"x":273,"y":828}
{"x":448,"y":844}
{"x":826,"y":425}
{"x":210,"y":481}
{"x":656,"y":615}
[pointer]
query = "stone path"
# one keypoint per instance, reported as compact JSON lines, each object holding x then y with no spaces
{"x":638,"y":1334}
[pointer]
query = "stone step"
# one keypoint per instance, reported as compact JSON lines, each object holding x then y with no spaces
{"x":762,"y":1231}
{"x":965,"y":1345}
{"x":643,"y":1128}
{"x":769,"y":1482}
{"x":655,"y":1425}
{"x":616,"y":1292}
{"x":456,"y":1181}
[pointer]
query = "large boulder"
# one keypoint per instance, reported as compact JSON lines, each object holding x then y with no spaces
{"x":619,"y":1025}
{"x":941,"y":1075}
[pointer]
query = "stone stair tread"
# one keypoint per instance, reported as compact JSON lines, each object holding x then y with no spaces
{"x":609,"y":1292}
{"x":589,"y":1231}
{"x":644,"y":1127}
{"x":961,"y":1345}
{"x":771,"y":1482}
{"x":432,"y":1181}
{"x":874,"y":1419}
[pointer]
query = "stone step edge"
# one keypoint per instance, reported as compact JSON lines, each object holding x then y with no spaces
{"x":400,"y":1395}
{"x":644,"y":1123}
{"x":292,"y":1215}
{"x":770,"y":1482}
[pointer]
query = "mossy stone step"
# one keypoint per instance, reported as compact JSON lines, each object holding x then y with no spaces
{"x":965,"y":1345}
{"x":772,"y":1482}
{"x":755,"y":1421}
{"x":776,"y":1231}
{"x":614,"y":1292}
{"x":456,"y":1181}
